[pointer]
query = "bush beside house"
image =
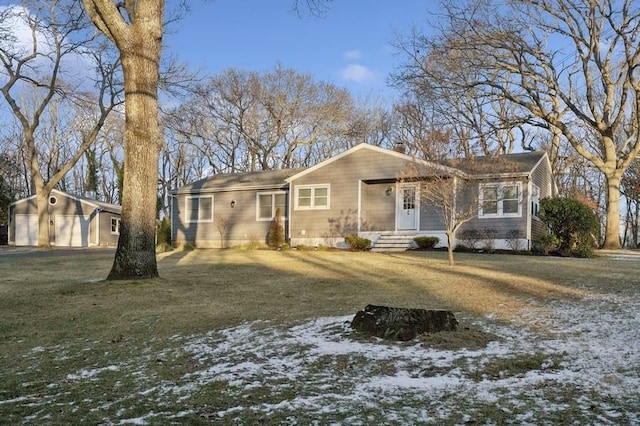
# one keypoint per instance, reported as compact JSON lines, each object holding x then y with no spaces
{"x":573,"y":228}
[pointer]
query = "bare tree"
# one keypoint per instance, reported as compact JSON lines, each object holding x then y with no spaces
{"x":247,"y":121}
{"x":571,"y":67}
{"x":58,"y":36}
{"x":446,"y":191}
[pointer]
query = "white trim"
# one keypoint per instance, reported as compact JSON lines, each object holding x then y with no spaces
{"x":359,"y":213}
{"x":287,"y":223}
{"x":378,"y":149}
{"x":273,"y":209}
{"x":213,"y":190}
{"x":186,"y":208}
{"x":59,"y":193}
{"x":173,"y":200}
{"x":97,"y":241}
{"x":499,"y":200}
{"x":313,"y":188}
{"x":416,"y":222}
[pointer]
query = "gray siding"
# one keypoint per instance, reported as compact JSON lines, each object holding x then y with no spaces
{"x":106,"y":237}
{"x":68,"y":206}
{"x":378,"y":208}
{"x":241,"y":222}
{"x":541,"y":176}
{"x":501,"y":226}
{"x":343,"y":176}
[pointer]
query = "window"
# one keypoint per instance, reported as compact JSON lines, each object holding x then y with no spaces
{"x":500,"y":200}
{"x":312,"y":197}
{"x":115,"y":225}
{"x":199,"y":209}
{"x":268,"y":203}
{"x":535,"y":200}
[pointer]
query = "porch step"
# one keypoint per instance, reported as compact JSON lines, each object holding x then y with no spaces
{"x":392,"y":243}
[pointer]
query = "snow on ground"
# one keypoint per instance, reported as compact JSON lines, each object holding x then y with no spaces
{"x":589,"y":347}
{"x":580,"y":356}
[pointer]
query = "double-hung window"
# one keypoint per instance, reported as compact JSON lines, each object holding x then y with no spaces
{"x":268,"y":204}
{"x":312,"y":197}
{"x":199,"y":209}
{"x":500,"y":200}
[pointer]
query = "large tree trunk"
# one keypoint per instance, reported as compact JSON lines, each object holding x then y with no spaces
{"x":135,"y":257}
{"x":612,"y":232}
{"x":44,"y":217}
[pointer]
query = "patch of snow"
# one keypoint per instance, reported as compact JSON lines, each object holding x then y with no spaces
{"x":88,"y":374}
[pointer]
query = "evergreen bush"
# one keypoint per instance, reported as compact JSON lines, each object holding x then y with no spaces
{"x":426,"y":243}
{"x":575,"y":225}
{"x":164,"y":233}
{"x":275,"y":237}
{"x":358,"y":243}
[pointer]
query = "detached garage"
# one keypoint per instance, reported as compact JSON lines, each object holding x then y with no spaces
{"x":73,"y":221}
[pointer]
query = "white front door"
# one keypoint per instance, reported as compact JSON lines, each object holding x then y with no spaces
{"x":407,"y":208}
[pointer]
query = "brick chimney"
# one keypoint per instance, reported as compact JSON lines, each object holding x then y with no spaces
{"x":399,"y":147}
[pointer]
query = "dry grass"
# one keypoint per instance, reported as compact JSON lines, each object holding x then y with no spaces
{"x":56,"y":300}
{"x":48,"y":298}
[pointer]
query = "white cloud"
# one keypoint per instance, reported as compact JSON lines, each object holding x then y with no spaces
{"x":353,"y":54}
{"x":358,"y":74}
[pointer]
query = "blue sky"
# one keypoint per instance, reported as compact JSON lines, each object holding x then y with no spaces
{"x":349,"y":46}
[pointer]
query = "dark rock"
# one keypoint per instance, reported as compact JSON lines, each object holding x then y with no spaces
{"x":402,"y":323}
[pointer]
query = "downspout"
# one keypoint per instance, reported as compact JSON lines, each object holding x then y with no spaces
{"x":455,"y":206}
{"x":9,"y":221}
{"x":172,"y":198}
{"x":529,"y":189}
{"x":359,"y":206}
{"x":98,"y":211}
{"x":289,"y":211}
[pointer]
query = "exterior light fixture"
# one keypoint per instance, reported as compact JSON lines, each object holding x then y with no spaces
{"x":233,"y":203}
{"x":389,"y":190}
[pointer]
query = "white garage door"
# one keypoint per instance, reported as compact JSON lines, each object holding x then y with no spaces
{"x":26,"y":230}
{"x":71,"y":231}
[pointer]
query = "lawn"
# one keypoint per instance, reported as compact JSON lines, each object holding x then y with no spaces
{"x":263,"y":337}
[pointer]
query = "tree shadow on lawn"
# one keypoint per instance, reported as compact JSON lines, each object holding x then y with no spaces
{"x":602,"y":275}
{"x":428,"y":282}
{"x":291,"y":284}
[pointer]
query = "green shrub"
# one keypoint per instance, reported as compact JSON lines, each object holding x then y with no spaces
{"x":546,"y":244}
{"x":164,"y":232}
{"x":463,"y":248}
{"x":275,"y":237}
{"x":358,"y":243}
{"x":574,"y":224}
{"x":426,"y":243}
